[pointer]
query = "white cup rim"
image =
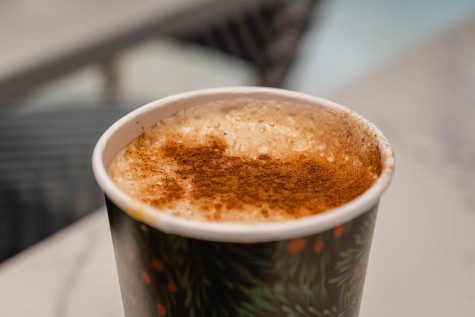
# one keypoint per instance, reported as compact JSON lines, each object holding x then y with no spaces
{"x":233,"y":231}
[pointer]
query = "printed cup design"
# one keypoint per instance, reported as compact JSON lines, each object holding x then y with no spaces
{"x":169,"y":275}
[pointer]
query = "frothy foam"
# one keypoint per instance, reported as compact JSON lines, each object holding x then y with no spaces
{"x":249,"y":160}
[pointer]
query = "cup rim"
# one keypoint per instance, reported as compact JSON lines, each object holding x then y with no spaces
{"x":236,"y":231}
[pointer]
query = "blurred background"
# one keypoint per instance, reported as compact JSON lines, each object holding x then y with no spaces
{"x":69,"y":68}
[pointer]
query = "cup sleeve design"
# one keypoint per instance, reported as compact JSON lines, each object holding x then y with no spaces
{"x":168,"y":275}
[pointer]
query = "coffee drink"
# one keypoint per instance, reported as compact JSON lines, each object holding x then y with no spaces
{"x":249,"y":160}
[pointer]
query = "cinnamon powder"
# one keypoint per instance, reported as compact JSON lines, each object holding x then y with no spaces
{"x":296,"y":186}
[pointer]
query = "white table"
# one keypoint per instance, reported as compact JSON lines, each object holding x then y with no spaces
{"x":72,"y":273}
{"x":423,"y":256}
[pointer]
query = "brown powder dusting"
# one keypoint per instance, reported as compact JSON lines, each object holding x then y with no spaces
{"x":171,"y":191}
{"x":296,"y":186}
{"x":250,"y":160}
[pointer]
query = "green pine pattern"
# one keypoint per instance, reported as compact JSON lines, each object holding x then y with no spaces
{"x":351,"y":265}
{"x":167,"y":275}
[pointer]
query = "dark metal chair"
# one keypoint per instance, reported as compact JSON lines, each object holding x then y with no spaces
{"x":267,"y":37}
{"x":46,"y":180}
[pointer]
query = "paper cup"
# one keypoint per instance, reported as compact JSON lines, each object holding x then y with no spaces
{"x":170,"y":266}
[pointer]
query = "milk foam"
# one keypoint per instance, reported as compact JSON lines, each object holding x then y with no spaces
{"x":250,"y":129}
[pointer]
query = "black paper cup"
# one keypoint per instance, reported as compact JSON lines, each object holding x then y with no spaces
{"x":171,"y":266}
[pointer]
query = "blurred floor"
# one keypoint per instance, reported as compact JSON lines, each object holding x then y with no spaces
{"x":350,"y":39}
{"x":354,"y":37}
{"x":150,"y":71}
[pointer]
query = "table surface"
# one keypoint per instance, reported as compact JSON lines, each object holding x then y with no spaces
{"x":422,"y":261}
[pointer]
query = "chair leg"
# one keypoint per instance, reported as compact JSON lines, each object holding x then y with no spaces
{"x":111,"y":74}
